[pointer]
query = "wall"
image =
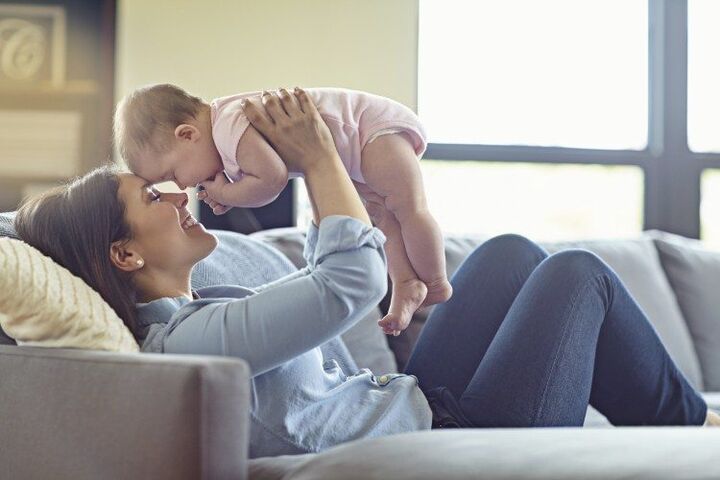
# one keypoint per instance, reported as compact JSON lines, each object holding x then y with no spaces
{"x":219,"y":47}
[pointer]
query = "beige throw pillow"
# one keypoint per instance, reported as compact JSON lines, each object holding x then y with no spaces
{"x":43,"y":304}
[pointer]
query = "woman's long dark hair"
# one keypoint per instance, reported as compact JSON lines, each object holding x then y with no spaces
{"x":75,"y":224}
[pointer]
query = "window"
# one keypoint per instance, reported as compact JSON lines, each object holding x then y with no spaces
{"x":710,"y":208}
{"x":567,"y":118}
{"x":703,"y":76}
{"x":564,"y":73}
{"x":543,"y":202}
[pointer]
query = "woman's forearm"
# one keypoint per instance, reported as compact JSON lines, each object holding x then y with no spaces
{"x":345,"y":278}
{"x":332,"y":193}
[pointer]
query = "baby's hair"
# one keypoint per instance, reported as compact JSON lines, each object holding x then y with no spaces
{"x":148,"y":116}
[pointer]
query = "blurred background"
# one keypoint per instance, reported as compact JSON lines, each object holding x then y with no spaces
{"x":556,"y":119}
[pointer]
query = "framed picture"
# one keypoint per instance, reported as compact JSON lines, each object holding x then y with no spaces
{"x":32,"y":45}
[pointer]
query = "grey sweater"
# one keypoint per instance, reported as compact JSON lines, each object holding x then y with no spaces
{"x":303,"y":400}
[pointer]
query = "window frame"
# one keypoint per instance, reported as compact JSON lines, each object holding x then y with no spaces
{"x":672,"y":172}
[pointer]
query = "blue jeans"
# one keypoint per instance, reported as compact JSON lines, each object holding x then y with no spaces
{"x":529,"y":340}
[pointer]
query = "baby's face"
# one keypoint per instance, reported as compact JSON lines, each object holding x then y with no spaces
{"x":186,"y":164}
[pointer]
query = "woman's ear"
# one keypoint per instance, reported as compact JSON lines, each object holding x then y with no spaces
{"x":185,"y":131}
{"x":125,"y":258}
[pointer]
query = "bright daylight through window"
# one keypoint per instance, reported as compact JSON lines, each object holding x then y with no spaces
{"x":563,"y":73}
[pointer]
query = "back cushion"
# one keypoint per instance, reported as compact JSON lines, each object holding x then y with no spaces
{"x":6,"y":225}
{"x":637,"y":264}
{"x":694,"y":274}
{"x":240,"y":260}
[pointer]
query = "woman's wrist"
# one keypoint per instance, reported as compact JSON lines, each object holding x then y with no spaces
{"x":322,"y":163}
{"x":332,"y":192}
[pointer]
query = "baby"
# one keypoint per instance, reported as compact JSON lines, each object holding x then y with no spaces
{"x":166,"y":134}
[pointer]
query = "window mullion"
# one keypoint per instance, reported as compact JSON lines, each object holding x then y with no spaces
{"x":672,"y":186}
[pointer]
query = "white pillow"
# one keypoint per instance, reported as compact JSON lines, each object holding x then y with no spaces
{"x":43,"y":304}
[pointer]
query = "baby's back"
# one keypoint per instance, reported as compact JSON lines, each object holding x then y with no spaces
{"x":353,"y":117}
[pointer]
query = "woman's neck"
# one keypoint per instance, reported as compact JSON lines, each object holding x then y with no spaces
{"x":153,"y":284}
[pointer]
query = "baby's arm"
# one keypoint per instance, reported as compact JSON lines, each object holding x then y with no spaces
{"x":264,"y":175}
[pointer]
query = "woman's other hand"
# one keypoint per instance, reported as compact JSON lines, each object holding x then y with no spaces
{"x":293,"y":127}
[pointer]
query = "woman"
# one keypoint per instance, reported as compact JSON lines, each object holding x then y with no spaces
{"x":526,"y":340}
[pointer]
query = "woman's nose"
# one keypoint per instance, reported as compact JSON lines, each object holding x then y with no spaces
{"x":178,"y":199}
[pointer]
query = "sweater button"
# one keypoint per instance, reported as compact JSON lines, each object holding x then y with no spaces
{"x":383,"y":380}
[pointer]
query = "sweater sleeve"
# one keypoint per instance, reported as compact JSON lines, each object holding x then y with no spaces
{"x":344,"y":279}
{"x":309,"y":255}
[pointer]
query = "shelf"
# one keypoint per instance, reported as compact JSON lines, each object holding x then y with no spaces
{"x":77,"y":88}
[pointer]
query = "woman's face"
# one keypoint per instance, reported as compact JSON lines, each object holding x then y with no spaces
{"x":164,"y":233}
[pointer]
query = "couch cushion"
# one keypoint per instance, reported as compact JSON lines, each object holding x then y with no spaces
{"x":6,"y":225}
{"x":367,"y":344}
{"x":240,"y":260}
{"x":539,"y":453}
{"x":635,"y":261}
{"x":694,"y":274}
{"x":66,"y":414}
{"x":638,"y":265}
{"x":43,"y":304}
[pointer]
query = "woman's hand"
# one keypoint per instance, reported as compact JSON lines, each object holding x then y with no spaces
{"x":294,"y":128}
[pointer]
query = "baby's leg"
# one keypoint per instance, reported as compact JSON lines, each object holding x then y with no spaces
{"x":408,"y":291}
{"x":391,"y":169}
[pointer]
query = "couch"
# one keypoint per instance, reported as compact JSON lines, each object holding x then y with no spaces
{"x":86,"y":414}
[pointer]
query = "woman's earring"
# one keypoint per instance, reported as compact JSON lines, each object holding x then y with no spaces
{"x":140,"y":262}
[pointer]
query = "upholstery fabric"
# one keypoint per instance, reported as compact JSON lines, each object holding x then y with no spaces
{"x":240,"y":260}
{"x":694,"y":274}
{"x":43,"y":304}
{"x":636,"y":262}
{"x":6,"y":225}
{"x":87,"y":415}
{"x":538,"y":453}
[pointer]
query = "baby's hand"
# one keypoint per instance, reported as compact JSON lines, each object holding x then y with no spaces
{"x":212,"y":189}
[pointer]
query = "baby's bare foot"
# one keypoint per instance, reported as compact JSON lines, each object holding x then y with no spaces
{"x":406,"y":299}
{"x":438,"y":291}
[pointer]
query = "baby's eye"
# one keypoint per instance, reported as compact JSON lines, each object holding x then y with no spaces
{"x":154,"y":196}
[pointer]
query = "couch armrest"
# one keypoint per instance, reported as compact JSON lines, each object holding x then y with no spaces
{"x":87,"y":415}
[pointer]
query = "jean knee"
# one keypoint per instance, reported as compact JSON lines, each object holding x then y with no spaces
{"x":505,"y":254}
{"x":577,"y":263}
{"x":513,"y":246}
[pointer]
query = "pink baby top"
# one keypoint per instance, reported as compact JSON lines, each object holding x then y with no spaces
{"x":354,"y":118}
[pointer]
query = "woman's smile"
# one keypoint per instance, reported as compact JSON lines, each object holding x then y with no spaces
{"x":189,"y":222}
